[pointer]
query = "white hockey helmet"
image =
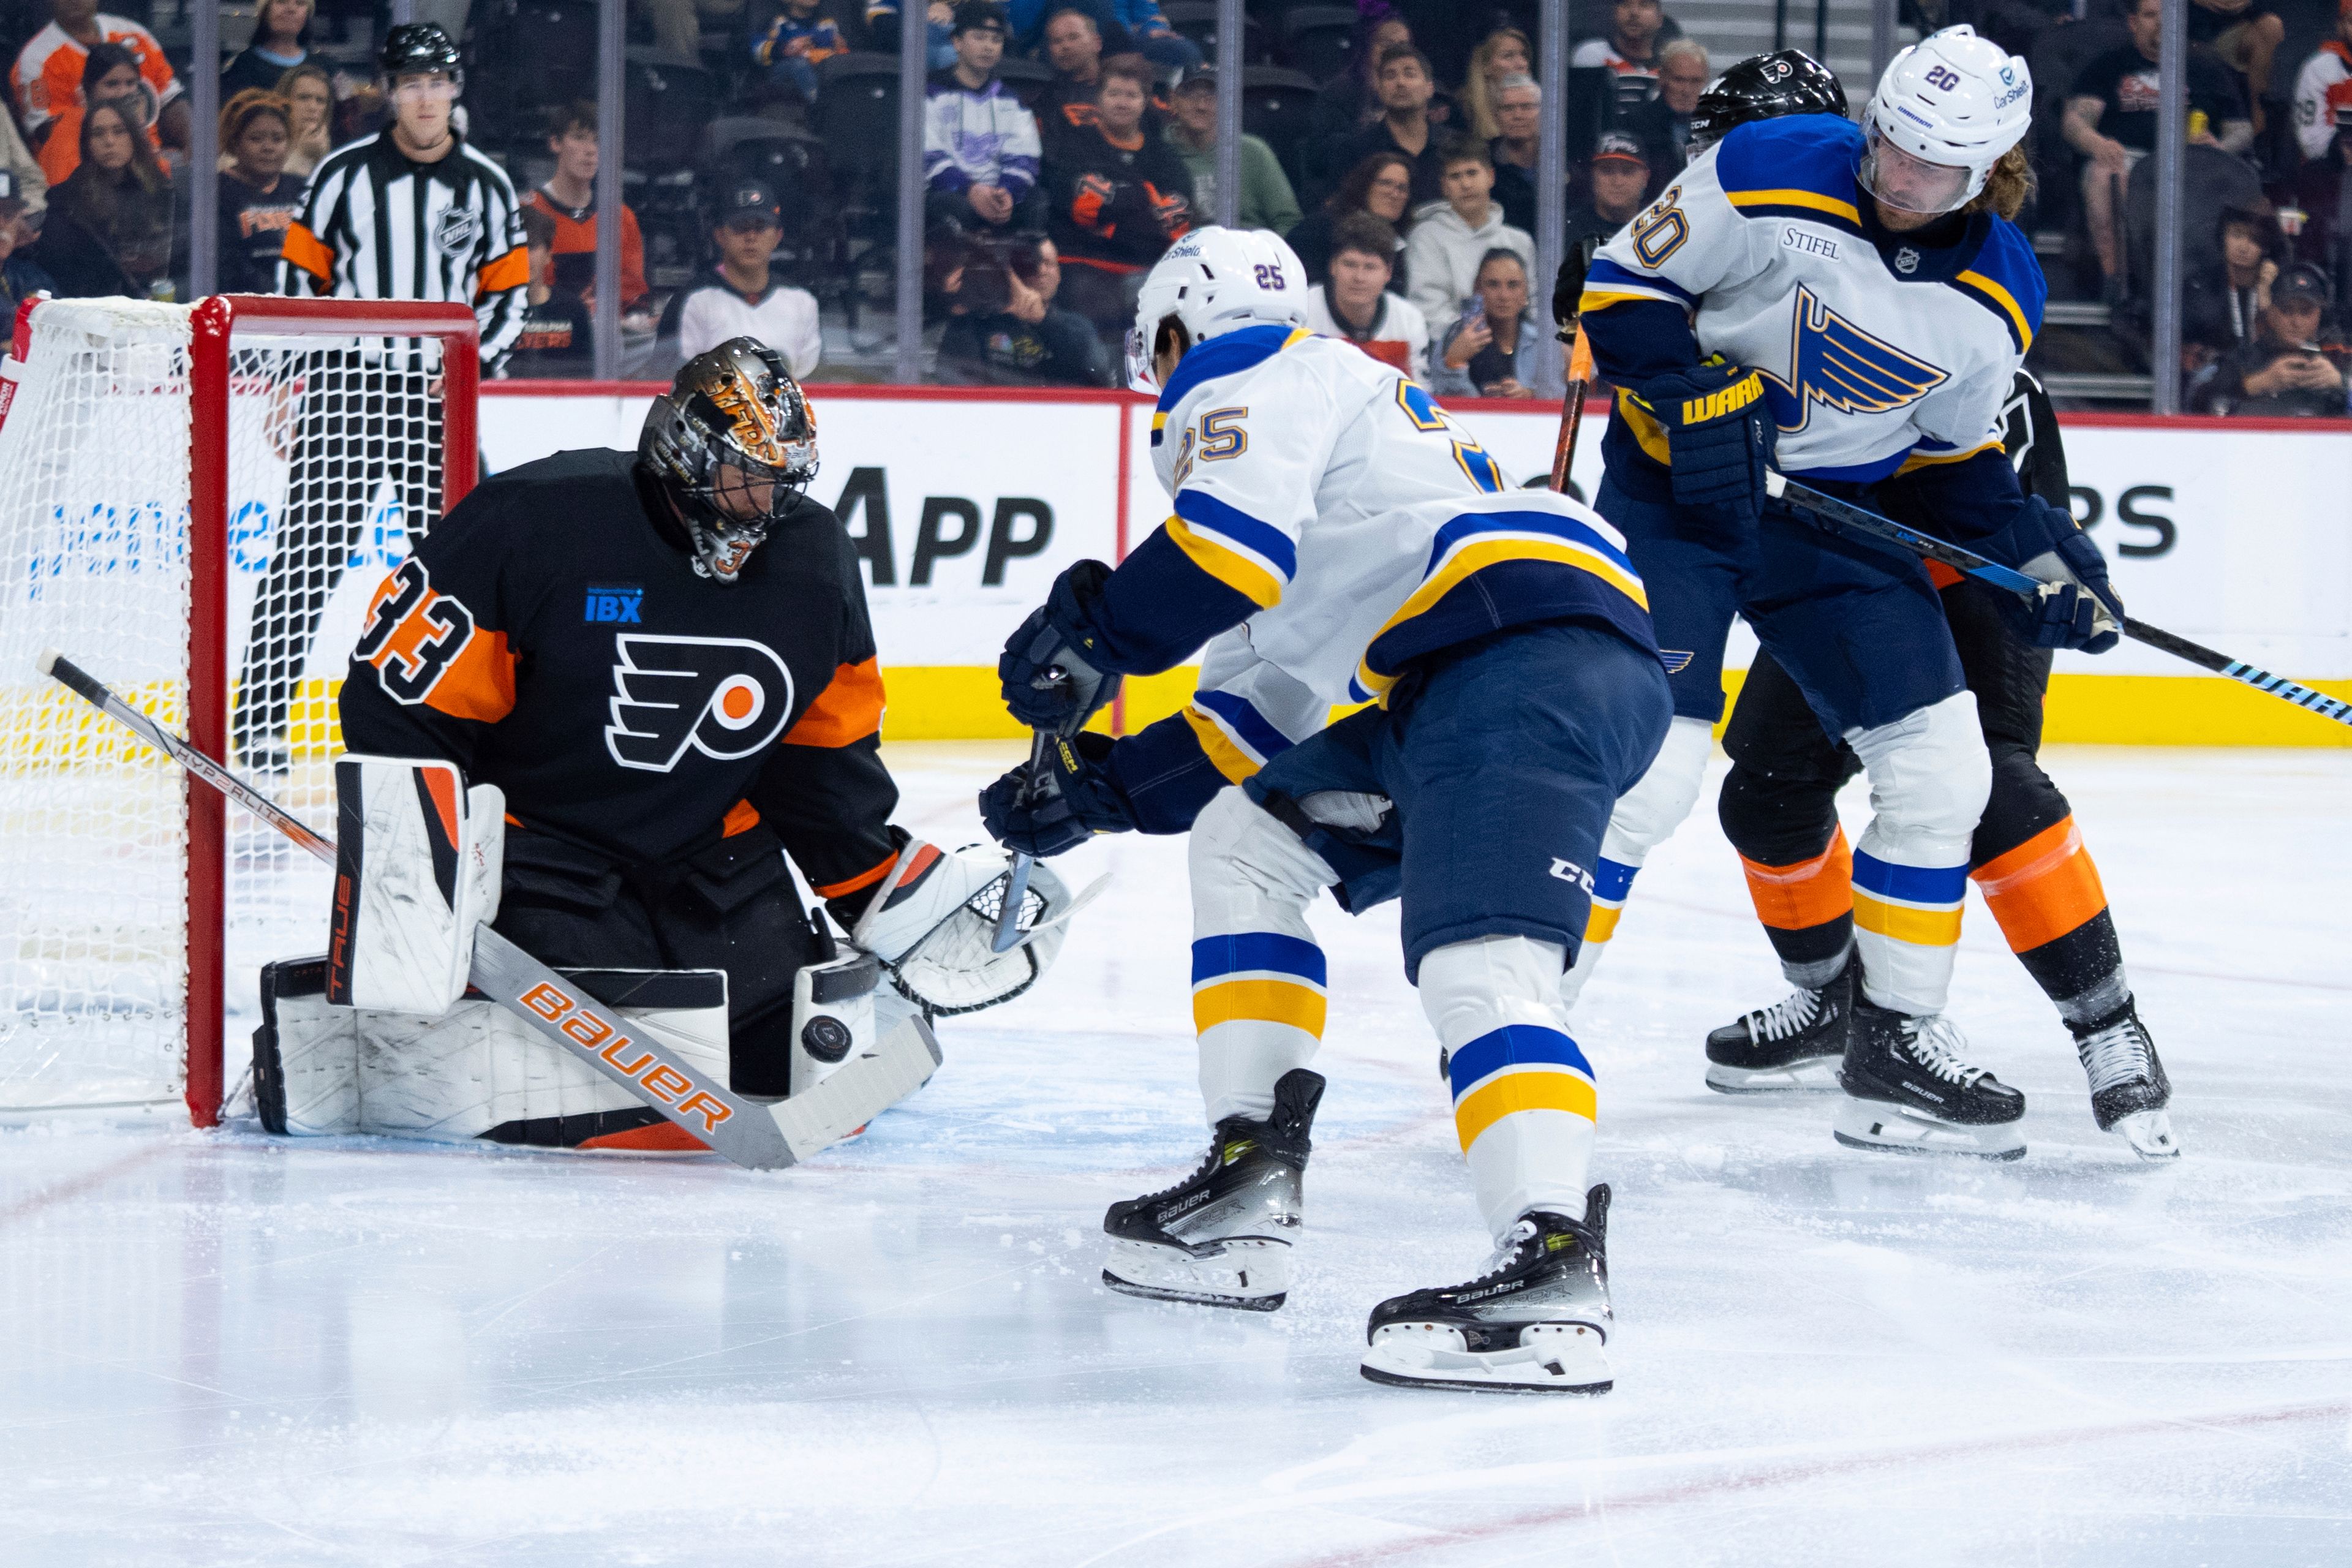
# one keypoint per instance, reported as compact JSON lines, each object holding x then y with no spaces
{"x":1946,"y":110}
{"x":1213,"y":281}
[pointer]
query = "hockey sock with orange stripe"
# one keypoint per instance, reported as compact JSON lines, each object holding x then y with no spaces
{"x":2046,"y":895}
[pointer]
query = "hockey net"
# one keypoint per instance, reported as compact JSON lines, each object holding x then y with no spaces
{"x":196,"y":503}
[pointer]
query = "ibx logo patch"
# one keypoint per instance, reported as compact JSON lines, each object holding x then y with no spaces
{"x":616,"y":603}
{"x":724,"y":697}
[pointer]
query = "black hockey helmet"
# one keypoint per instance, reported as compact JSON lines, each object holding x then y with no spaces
{"x":1765,"y":86}
{"x":415,"y":46}
{"x":734,"y":408}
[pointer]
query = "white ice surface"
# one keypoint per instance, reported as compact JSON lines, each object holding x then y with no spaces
{"x":225,"y":1349}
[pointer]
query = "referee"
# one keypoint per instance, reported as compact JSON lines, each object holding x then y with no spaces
{"x":411,"y":213}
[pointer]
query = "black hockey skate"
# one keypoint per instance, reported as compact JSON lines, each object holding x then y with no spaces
{"x":1536,"y":1321}
{"x":1795,"y":1044}
{"x":1221,"y":1237}
{"x":1909,"y":1089}
{"x":2129,"y":1089}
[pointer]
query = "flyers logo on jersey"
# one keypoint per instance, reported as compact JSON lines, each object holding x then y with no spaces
{"x":724,"y":697}
{"x":1837,"y":364}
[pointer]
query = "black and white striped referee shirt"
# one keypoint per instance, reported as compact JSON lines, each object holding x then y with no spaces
{"x":376,"y":225}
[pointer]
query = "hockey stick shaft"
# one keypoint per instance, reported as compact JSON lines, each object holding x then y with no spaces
{"x":1571,"y":412}
{"x":1862,"y":520}
{"x":554,"y":1008}
{"x":1016,"y":879}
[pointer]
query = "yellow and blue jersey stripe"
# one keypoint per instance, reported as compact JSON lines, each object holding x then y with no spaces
{"x":1254,"y":558}
{"x":1235,"y":737}
{"x":1801,"y":167}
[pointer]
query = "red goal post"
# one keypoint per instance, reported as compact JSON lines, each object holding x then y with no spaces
{"x":195,"y":501}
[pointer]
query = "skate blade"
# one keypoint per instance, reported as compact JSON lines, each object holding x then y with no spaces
{"x":1815,"y":1075}
{"x":1550,"y":1358}
{"x":1249,"y":1273}
{"x":2149,"y":1134}
{"x":1891,"y":1128}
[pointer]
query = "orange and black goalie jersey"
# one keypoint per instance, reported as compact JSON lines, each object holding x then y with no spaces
{"x":550,"y":638}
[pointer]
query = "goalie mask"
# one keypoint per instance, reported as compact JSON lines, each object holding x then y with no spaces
{"x":733,"y":445}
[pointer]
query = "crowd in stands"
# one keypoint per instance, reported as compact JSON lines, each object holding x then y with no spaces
{"x":1066,"y":144}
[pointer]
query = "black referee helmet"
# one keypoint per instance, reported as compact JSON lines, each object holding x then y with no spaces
{"x":415,"y":47}
{"x":1765,"y":86}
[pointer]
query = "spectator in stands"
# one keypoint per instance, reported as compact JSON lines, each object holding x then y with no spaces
{"x":281,"y":40}
{"x":1381,"y":186}
{"x":556,"y":327}
{"x":1663,"y":123}
{"x":2110,"y":116}
{"x":1003,"y":327}
{"x":21,"y":277}
{"x":677,"y":23}
{"x":1501,"y":55}
{"x":1354,"y":301}
{"x":1073,"y":48}
{"x":569,"y":197}
{"x":882,"y":26}
{"x":1120,"y":199}
{"x":2294,"y":365}
{"x":795,"y":44}
{"x":1631,"y":49}
{"x":2245,"y":35}
{"x":1266,"y":201}
{"x":1495,"y":349}
{"x":2323,"y":196}
{"x":980,"y":146}
{"x":31,"y":186}
{"x":47,"y":77}
{"x":309,"y":94}
{"x":109,"y":222}
{"x":2221,"y":303}
{"x":1126,"y":27}
{"x":1451,"y":238}
{"x":110,"y":74}
{"x":1404,"y":87}
{"x":1346,"y":103}
{"x":258,"y":200}
{"x":744,"y":299}
{"x":2323,"y":86}
{"x":1619,"y":184}
{"x":1519,"y":112}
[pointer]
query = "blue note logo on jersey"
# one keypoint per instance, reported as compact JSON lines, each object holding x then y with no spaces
{"x":1834,"y":363}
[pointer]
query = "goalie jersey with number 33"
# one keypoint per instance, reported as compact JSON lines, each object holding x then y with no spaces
{"x":1879,"y":354}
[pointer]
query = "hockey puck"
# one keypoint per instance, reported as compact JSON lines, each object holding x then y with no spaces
{"x":826,"y":1039}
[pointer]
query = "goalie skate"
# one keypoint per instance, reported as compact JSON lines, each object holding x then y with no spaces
{"x":1536,"y":1321}
{"x":1221,"y":1237}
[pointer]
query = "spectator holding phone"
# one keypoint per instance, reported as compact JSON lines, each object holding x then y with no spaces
{"x":21,"y":277}
{"x":2294,"y":365}
{"x":1495,"y":350}
{"x":1354,"y":302}
{"x":1003,"y":328}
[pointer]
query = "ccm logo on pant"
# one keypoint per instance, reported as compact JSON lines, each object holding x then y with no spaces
{"x":591,"y":1032}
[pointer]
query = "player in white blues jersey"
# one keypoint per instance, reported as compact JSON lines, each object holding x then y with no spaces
{"x":1849,"y":304}
{"x":1340,"y":540}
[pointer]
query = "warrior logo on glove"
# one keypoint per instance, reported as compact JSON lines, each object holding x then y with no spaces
{"x":724,"y":697}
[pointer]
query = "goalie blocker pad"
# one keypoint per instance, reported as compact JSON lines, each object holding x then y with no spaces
{"x":477,"y":1072}
{"x":418,"y":860}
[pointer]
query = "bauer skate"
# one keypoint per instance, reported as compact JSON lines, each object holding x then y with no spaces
{"x":1221,"y":1237}
{"x":1796,"y":1044}
{"x":1909,"y":1089}
{"x":1536,"y":1321}
{"x":2129,"y":1089}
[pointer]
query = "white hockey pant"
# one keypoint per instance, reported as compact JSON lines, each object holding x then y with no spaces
{"x":1645,"y":817}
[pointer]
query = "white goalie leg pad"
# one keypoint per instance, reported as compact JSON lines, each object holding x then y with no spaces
{"x":932,"y":923}
{"x":1647,"y":817}
{"x":1258,"y":977}
{"x":1929,"y":778}
{"x":1524,"y":1098}
{"x":418,"y":863}
{"x":834,"y":1015}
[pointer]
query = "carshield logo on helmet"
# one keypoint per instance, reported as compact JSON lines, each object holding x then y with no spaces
{"x":724,"y":697}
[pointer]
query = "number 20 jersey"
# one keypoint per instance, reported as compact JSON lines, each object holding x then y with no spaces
{"x":1331,"y":504}
{"x":1877,"y":352}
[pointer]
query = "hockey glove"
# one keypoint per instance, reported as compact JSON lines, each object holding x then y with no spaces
{"x":1048,"y":680}
{"x":1071,"y":801}
{"x":1720,"y":436}
{"x":2078,"y":607}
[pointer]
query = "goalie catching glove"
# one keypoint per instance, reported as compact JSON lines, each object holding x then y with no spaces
{"x":418,"y":858}
{"x":932,"y":923}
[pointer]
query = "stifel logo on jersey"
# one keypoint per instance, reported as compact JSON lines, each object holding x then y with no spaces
{"x":724,"y":697}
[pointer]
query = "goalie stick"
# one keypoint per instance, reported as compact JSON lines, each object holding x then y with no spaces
{"x":1834,"y":514}
{"x":757,"y":1137}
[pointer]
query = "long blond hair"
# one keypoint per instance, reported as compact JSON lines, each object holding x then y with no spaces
{"x":2007,"y":186}
{"x":1478,"y":92}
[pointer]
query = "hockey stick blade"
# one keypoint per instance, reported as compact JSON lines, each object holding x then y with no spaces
{"x":859,"y":1090}
{"x":744,"y":1133}
{"x":1837,"y":514}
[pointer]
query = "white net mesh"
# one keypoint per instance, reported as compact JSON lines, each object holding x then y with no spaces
{"x":335,"y":456}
